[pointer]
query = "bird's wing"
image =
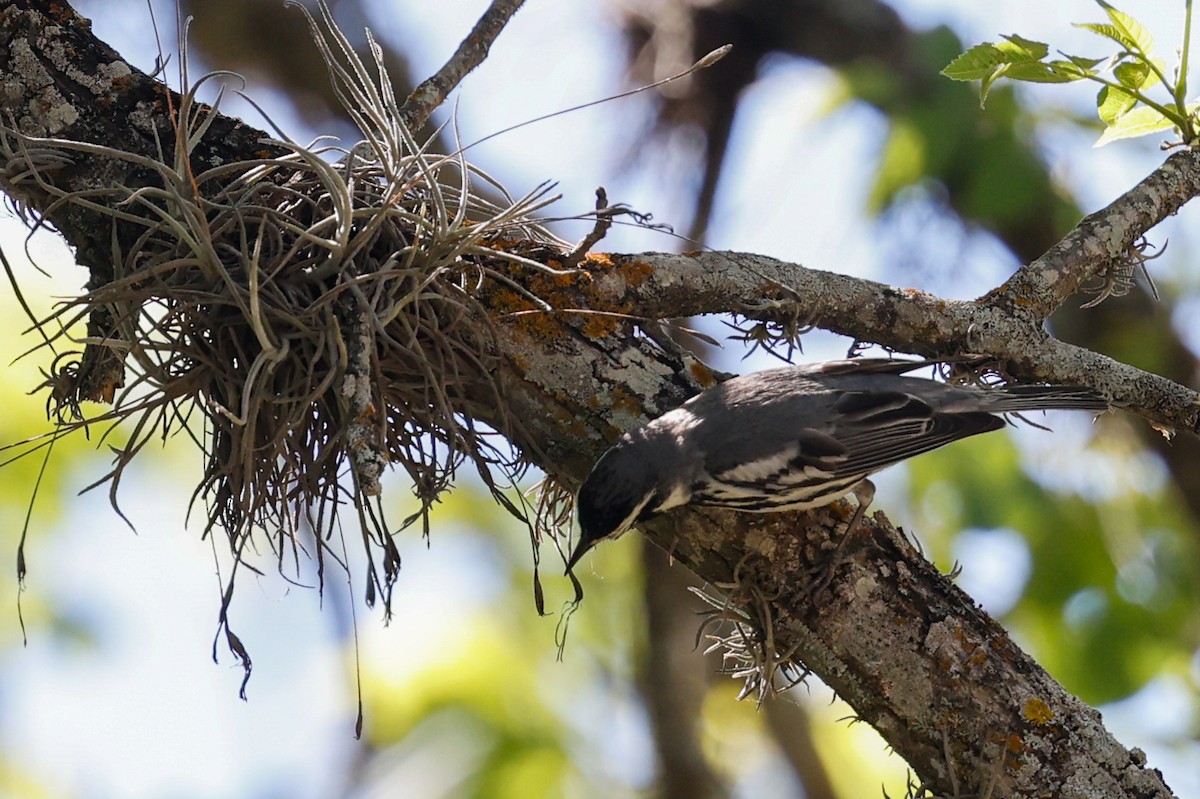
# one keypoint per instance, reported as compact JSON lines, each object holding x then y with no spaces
{"x":810,"y":451}
{"x":879,"y":428}
{"x":783,"y":471}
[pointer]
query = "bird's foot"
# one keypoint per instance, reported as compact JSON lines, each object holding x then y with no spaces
{"x":864,"y":492}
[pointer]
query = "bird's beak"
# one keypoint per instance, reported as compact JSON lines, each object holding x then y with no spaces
{"x":580,"y":550}
{"x":585,"y":544}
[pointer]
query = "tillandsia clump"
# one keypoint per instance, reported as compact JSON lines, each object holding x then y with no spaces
{"x":315,"y":308}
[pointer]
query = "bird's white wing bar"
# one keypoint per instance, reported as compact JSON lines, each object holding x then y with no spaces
{"x":763,"y":469}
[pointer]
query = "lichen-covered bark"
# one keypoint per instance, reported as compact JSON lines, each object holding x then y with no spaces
{"x":915,"y":657}
{"x":1101,"y":238}
{"x":911,"y":653}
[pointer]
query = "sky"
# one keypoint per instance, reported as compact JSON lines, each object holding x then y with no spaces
{"x":145,"y":712}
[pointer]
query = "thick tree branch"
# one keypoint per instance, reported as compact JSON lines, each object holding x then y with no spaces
{"x":914,"y":656}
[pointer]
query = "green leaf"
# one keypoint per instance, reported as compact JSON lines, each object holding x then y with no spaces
{"x":1108,"y":32}
{"x":1154,"y":78}
{"x":978,"y":63}
{"x":1038,"y":72}
{"x":1019,"y":50}
{"x":1136,"y":33}
{"x":1132,"y":74}
{"x":986,"y":86}
{"x":1124,"y":30}
{"x":1141,"y":121}
{"x":1087,"y":65}
{"x":1015,"y":58}
{"x":1113,"y":103}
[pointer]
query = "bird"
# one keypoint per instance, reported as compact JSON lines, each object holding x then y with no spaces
{"x":794,"y":438}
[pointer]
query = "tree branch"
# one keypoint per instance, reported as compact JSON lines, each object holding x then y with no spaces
{"x":471,"y":52}
{"x":912,"y":654}
{"x":1100,"y":239}
{"x":659,"y":285}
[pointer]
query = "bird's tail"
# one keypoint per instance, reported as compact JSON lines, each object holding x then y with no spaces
{"x":1010,"y":399}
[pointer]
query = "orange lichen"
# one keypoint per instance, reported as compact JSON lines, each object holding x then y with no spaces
{"x":1037,"y":711}
{"x":538,"y":324}
{"x":573,"y":296}
{"x":556,"y":289}
{"x":622,"y":400}
{"x":62,"y":14}
{"x":121,"y":83}
{"x":503,"y":300}
{"x":550,"y":285}
{"x":520,"y":362}
{"x":570,"y":424}
{"x":703,"y":375}
{"x":599,"y":325}
{"x":635,"y":272}
{"x":599,"y":260}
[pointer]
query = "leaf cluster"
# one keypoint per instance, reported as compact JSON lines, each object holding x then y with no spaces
{"x":1125,"y":77}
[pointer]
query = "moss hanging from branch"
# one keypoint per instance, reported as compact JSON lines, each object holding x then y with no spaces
{"x":320,"y":317}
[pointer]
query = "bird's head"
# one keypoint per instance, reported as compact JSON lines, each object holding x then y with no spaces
{"x":621,"y":489}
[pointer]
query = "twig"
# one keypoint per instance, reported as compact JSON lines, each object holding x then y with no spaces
{"x":470,"y":53}
{"x":604,"y":217}
{"x":366,"y":454}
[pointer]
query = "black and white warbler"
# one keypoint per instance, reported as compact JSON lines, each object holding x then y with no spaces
{"x":793,"y":439}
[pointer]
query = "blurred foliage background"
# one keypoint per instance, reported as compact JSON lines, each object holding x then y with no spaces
{"x":827,"y":137}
